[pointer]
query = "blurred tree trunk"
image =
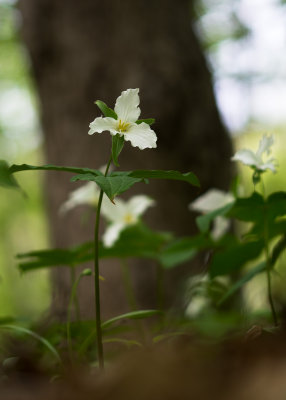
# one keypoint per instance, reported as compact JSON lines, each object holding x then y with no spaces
{"x":87,"y":50}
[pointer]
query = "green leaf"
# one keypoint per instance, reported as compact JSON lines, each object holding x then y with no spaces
{"x":241,"y":282}
{"x":182,"y":250}
{"x":204,"y":221}
{"x":112,"y":186}
{"x":45,"y":342}
{"x":136,"y":241}
{"x":188,"y":177}
{"x":131,"y":315}
{"x":106,"y":111}
{"x":278,"y":249}
{"x":6,"y":178}
{"x":117,"y":146}
{"x":56,"y":257}
{"x":234,"y":257}
{"x":25,"y":167}
{"x":248,"y":209}
{"x":149,"y":121}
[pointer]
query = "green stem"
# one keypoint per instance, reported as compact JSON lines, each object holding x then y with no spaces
{"x":268,"y":272}
{"x":268,"y":262}
{"x":96,"y":278}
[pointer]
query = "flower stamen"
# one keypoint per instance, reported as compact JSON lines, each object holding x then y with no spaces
{"x":122,"y":126}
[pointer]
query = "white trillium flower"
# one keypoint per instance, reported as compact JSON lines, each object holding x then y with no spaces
{"x":212,"y":200}
{"x":123,"y":214}
{"x":128,"y":111}
{"x":255,"y":160}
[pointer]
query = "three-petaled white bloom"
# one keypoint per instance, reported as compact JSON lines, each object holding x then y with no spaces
{"x":255,"y":160}
{"x":123,"y":214}
{"x":211,"y":200}
{"x":86,"y":194}
{"x":128,"y":111}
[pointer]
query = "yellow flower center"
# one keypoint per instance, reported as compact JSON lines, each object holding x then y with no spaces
{"x":122,"y":126}
{"x":129,"y":219}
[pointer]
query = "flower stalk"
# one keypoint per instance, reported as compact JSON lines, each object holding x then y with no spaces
{"x":96,"y":278}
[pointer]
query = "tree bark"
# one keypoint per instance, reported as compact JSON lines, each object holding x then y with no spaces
{"x":86,"y":50}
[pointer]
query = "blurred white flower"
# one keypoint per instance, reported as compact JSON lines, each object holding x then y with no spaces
{"x":211,"y":200}
{"x":196,"y":306}
{"x":255,"y":160}
{"x":128,"y":111}
{"x":86,"y":194}
{"x":123,"y":214}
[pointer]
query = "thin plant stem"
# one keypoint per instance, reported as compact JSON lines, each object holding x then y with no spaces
{"x":96,"y":278}
{"x":268,"y":272}
{"x":268,"y":262}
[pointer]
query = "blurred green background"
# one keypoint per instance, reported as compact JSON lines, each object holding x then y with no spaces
{"x":245,"y":55}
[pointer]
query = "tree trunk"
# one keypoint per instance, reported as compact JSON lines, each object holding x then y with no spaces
{"x":86,"y":50}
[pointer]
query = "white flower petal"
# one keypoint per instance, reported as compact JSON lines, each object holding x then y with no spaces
{"x":137,"y":205}
{"x":101,"y":124}
{"x":112,"y":233}
{"x":221,"y":225}
{"x":86,"y":194}
{"x":141,"y":136}
{"x":264,"y":145}
{"x":211,"y":200}
{"x":247,"y":157}
{"x":126,"y":106}
{"x":113,"y":212}
{"x":270,"y":164}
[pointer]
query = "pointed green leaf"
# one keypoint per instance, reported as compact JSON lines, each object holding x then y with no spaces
{"x":204,"y":221}
{"x":112,"y":186}
{"x":188,"y":177}
{"x":149,"y":121}
{"x":248,"y":208}
{"x":182,"y":250}
{"x":106,"y":111}
{"x":131,"y":315}
{"x":41,"y":339}
{"x":117,"y":146}
{"x":278,"y":249}
{"x":136,"y":241}
{"x":6,"y":178}
{"x":25,"y":167}
{"x":241,"y":282}
{"x":235,"y":257}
